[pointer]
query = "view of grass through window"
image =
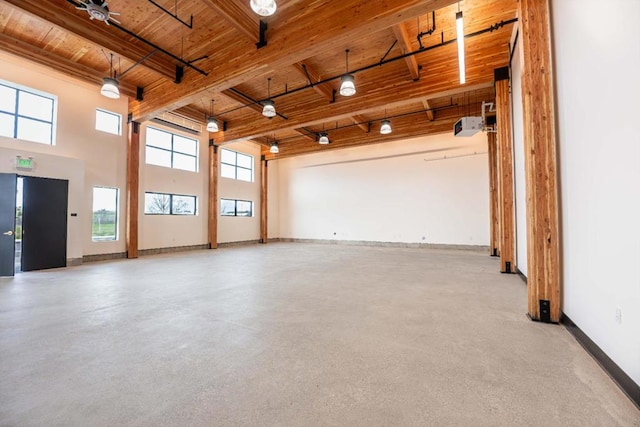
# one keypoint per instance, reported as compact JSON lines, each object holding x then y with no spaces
{"x":105,"y":214}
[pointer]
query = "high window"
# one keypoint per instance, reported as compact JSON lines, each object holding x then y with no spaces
{"x":169,"y":204}
{"x":229,"y":207}
{"x":27,"y":114}
{"x":170,"y":150}
{"x":109,"y":122}
{"x":105,"y":214}
{"x":236,"y":165}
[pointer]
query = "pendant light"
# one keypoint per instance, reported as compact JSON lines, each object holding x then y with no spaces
{"x":460,"y":40}
{"x":324,"y":138}
{"x":264,"y":7}
{"x":110,"y":84}
{"x":348,"y":81}
{"x":385,"y":127}
{"x":268,"y":106}
{"x":274,"y":148}
{"x":212,"y":123}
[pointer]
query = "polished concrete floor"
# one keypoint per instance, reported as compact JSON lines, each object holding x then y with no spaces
{"x":291,"y":334}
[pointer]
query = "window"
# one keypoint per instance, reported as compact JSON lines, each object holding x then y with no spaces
{"x":236,"y":165}
{"x":109,"y":122}
{"x":25,"y":114}
{"x":169,"y":204}
{"x":236,"y":207}
{"x":105,"y":214}
{"x":171,"y":150}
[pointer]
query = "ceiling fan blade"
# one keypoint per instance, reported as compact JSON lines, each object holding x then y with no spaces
{"x":114,"y":13}
{"x":104,"y":3}
{"x":114,"y":20}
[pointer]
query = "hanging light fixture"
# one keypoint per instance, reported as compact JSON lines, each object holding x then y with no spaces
{"x":110,"y":84}
{"x":385,"y":127}
{"x":460,"y":40}
{"x":268,"y":106}
{"x":212,"y":123}
{"x":324,"y":138}
{"x":264,"y":7}
{"x":274,"y":148}
{"x":348,"y":81}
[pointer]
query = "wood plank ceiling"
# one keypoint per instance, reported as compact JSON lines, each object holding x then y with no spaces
{"x":305,"y":43}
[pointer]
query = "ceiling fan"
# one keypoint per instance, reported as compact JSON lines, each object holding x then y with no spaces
{"x":98,"y":9}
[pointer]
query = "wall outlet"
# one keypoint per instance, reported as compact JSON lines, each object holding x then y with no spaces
{"x":619,"y":316}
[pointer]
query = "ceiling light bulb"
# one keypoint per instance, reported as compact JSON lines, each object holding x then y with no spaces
{"x":274,"y":148}
{"x":110,"y":88}
{"x":460,"y":39}
{"x":212,"y":125}
{"x":324,"y":139}
{"x":269,"y":108}
{"x":264,"y":7}
{"x":385,"y":127}
{"x":348,"y":85}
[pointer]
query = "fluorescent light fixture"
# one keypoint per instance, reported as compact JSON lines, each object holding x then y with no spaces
{"x":274,"y":148}
{"x":348,"y":85}
{"x":460,"y":39}
{"x":269,"y":108}
{"x":324,"y":139}
{"x":212,"y":125}
{"x":264,"y":7}
{"x":385,"y":127}
{"x":110,"y":88}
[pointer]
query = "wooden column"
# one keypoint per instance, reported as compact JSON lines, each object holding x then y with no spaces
{"x":213,"y":195}
{"x":494,"y":211}
{"x":505,"y":167}
{"x":540,"y":162}
{"x":263,"y":201}
{"x":133,"y":175}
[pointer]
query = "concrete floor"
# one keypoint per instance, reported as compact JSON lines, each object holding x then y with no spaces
{"x":292,"y":335}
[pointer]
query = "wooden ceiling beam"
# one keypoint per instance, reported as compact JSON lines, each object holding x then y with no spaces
{"x":324,"y":89}
{"x":427,"y":107}
{"x":63,"y":65}
{"x":192,"y":113}
{"x":234,"y":13}
{"x":402,"y":35}
{"x":64,"y":16}
{"x":360,"y":121}
{"x":242,"y":99}
{"x":289,"y":42}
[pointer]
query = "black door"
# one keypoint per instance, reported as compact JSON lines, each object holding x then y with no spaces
{"x":8,"y":182}
{"x":44,"y":223}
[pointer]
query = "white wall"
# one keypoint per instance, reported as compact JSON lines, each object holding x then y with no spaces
{"x":598,"y":93}
{"x":404,"y":191}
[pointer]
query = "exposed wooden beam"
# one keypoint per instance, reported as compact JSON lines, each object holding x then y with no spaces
{"x":291,"y":30}
{"x":543,"y":279}
{"x":263,"y":201}
{"x":360,"y":121}
{"x":192,"y":113}
{"x":212,"y":212}
{"x":64,"y":16}
{"x":63,"y":65}
{"x":427,"y":107}
{"x":306,"y":133}
{"x":505,"y":160}
{"x":133,"y":188}
{"x":404,"y":42}
{"x":494,"y":218}
{"x":242,"y":99}
{"x":235,"y":14}
{"x":324,"y":89}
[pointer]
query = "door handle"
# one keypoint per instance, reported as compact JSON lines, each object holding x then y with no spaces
{"x":8,"y":233}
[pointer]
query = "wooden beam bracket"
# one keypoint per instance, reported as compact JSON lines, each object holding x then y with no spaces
{"x":179,"y":74}
{"x":263,"y":35}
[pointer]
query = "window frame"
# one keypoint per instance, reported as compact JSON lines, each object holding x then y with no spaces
{"x":117,"y":209}
{"x":235,"y":165}
{"x":171,"y":195}
{"x":235,"y":208}
{"x":111,"y":113}
{"x":172,"y":150}
{"x":16,"y":112}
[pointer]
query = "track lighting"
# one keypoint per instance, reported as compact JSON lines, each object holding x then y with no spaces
{"x":110,"y":84}
{"x":324,"y":138}
{"x":460,"y":39}
{"x":348,"y":81}
{"x":268,"y":106}
{"x":264,"y":7}
{"x":385,"y":127}
{"x":274,"y":148}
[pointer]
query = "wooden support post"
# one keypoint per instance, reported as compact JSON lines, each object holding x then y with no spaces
{"x":505,"y":178}
{"x":540,"y":162}
{"x":493,"y":195}
{"x":133,"y":175}
{"x":264,"y":237}
{"x":213,"y":195}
